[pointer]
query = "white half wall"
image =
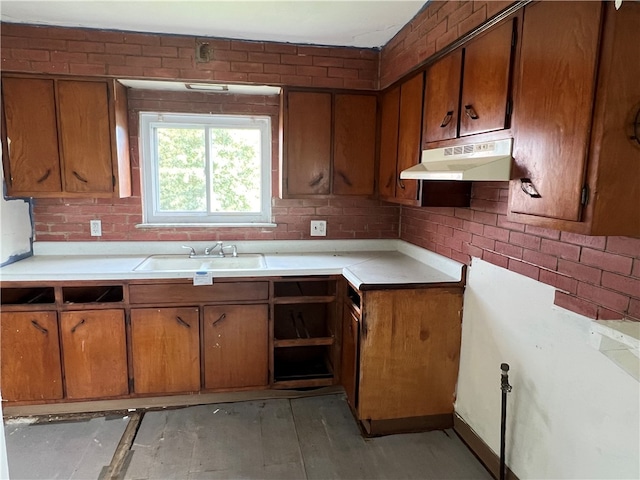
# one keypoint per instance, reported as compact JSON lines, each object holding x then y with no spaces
{"x":572,"y":413}
{"x":15,"y":228}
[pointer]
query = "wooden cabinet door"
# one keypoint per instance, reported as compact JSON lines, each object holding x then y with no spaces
{"x":442,"y":93}
{"x":165,"y":350}
{"x":553,"y":107}
{"x":30,"y":356}
{"x":410,"y":129}
{"x":308,"y":143}
{"x":94,"y":351}
{"x":389,"y":119}
{"x":485,"y":86}
{"x":409,"y":352}
{"x":83,"y":113}
{"x":236,"y":346}
{"x":354,"y":144}
{"x":31,"y":136}
{"x":349,"y":364}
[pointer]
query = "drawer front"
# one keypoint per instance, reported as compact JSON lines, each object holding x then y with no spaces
{"x":185,"y":293}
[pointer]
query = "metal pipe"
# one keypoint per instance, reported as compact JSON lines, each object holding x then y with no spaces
{"x":506,"y":388}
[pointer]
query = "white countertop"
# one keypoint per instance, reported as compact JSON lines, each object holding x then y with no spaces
{"x":362,"y":262}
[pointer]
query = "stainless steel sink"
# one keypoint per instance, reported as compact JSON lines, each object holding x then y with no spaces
{"x":182,"y":263}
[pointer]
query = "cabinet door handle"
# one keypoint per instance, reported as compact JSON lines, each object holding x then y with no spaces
{"x":39,"y":327}
{"x":447,"y":118}
{"x":220,"y":318}
{"x":182,"y":322}
{"x":75,"y":327}
{"x":345,"y":179}
{"x":527,"y":187}
{"x":471,"y":113}
{"x":80,"y":177}
{"x":316,"y":181}
{"x":45,"y":176}
{"x":636,"y":128}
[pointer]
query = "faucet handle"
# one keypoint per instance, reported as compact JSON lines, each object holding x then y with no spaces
{"x":234,"y":250}
{"x":192,"y":253}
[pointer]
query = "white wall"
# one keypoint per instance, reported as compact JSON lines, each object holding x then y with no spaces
{"x":15,"y":228}
{"x":572,"y":413}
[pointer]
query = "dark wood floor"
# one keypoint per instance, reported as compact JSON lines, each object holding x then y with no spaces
{"x":305,"y":438}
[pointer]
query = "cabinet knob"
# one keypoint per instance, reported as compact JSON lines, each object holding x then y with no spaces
{"x":470,"y":112}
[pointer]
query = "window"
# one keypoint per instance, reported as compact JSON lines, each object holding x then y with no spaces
{"x":206,"y":168}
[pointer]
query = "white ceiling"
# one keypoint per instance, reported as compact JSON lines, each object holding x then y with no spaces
{"x":356,"y":23}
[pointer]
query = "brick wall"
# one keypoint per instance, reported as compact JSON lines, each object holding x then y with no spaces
{"x":76,"y":51}
{"x":68,"y":219}
{"x":598,"y":277}
{"x":436,"y":26}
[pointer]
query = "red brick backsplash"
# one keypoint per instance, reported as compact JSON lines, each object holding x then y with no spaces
{"x":76,"y":51}
{"x":595,"y":276}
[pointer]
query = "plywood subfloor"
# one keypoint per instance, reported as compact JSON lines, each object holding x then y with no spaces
{"x":305,"y":438}
{"x":62,"y":450}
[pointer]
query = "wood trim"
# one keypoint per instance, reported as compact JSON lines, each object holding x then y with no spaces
{"x":374,"y":428}
{"x":480,"y":449}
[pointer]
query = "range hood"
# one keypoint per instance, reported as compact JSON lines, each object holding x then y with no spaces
{"x":475,"y":161}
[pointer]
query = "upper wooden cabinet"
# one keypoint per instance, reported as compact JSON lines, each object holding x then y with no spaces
{"x":400,"y":134}
{"x":467,"y":91}
{"x":577,"y":98}
{"x":65,"y":137}
{"x":328,"y":144}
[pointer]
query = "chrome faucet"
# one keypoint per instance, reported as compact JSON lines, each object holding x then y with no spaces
{"x":192,"y":252}
{"x":210,"y":250}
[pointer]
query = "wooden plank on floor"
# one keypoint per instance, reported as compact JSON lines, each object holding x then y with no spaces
{"x":330,"y":441}
{"x":230,"y":440}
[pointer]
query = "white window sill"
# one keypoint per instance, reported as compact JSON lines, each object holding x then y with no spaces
{"x":206,"y":225}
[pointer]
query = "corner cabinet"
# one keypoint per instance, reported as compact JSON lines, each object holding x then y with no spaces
{"x":576,"y":147}
{"x":329,"y":142}
{"x":400,"y":357}
{"x":65,"y":137}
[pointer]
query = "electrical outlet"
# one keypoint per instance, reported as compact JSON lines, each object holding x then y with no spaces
{"x":96,"y":228}
{"x":318,"y":228}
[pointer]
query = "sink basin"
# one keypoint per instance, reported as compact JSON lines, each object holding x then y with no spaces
{"x":181,"y":263}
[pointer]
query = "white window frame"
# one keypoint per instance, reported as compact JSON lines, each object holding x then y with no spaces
{"x":150,"y":121}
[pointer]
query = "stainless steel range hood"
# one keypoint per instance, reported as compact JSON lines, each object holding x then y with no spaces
{"x":475,"y":161}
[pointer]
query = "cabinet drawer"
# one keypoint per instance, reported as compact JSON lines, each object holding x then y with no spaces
{"x":185,"y":293}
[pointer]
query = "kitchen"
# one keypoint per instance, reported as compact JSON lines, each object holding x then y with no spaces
{"x":533,"y":287}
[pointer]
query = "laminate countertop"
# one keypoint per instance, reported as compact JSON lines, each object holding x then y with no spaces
{"x":366,"y":264}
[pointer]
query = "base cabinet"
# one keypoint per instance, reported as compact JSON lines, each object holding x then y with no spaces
{"x":407,"y":360}
{"x":236,"y":346}
{"x":94,"y":353}
{"x":30,"y":360}
{"x":165,"y":346}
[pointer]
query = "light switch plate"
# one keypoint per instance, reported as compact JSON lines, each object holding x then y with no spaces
{"x":318,"y":228}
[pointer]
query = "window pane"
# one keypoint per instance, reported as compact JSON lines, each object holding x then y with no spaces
{"x":181,"y":169}
{"x":235,"y":176}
